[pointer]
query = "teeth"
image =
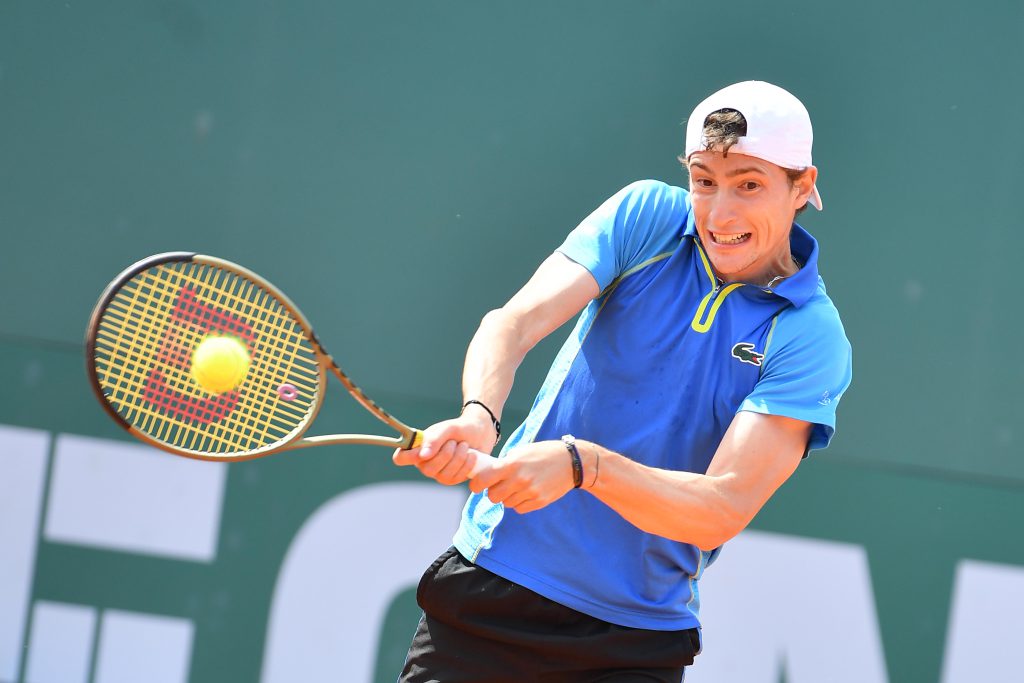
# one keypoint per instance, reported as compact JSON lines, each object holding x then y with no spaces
{"x":730,"y":239}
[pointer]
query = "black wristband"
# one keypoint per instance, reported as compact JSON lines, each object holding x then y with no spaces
{"x":577,"y":465}
{"x":494,"y":420}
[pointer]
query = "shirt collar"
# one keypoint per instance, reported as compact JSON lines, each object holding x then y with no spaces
{"x":799,"y":287}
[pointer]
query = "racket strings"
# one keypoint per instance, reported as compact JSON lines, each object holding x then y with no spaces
{"x":143,"y":349}
{"x":224,"y":431}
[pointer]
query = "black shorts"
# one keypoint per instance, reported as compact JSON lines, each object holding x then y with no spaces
{"x":478,"y":627}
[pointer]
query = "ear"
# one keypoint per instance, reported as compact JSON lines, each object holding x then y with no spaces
{"x":803,"y":186}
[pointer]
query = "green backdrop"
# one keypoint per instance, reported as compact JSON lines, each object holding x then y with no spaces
{"x":401,"y":167}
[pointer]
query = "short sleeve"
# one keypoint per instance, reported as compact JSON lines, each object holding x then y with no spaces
{"x":637,"y":223}
{"x":806,"y":370}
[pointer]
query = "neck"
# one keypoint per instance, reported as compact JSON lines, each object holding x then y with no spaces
{"x":776,"y":271}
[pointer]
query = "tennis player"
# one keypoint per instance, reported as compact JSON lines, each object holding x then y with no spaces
{"x":707,"y":362}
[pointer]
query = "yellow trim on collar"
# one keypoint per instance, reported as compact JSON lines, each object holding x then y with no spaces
{"x":707,"y":264}
{"x":696,"y":325}
{"x":703,"y":327}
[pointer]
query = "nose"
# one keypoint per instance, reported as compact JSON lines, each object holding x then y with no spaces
{"x":721,"y":210}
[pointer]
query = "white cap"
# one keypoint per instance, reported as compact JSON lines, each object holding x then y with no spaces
{"x":778,"y":126}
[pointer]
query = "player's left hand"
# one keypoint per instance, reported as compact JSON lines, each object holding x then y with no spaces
{"x":528,"y":478}
{"x":451,"y":450}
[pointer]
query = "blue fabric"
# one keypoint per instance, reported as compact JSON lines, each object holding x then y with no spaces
{"x":652,"y":371}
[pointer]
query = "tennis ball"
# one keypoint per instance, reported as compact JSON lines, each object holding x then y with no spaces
{"x":219,"y":364}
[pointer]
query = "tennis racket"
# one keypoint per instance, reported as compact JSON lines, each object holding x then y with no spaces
{"x":139,"y":346}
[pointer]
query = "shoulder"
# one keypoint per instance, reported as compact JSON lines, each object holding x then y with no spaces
{"x":653,"y":187}
{"x":642,"y":203}
{"x":646,"y":214}
{"x":653,"y":194}
{"x":817,"y":321}
{"x":640,"y":221}
{"x":809,"y":344}
{"x":807,"y":367}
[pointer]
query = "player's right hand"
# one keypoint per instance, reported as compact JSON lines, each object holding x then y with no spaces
{"x":451,"y":450}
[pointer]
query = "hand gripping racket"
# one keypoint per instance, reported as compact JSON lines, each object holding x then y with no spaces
{"x":139,"y":346}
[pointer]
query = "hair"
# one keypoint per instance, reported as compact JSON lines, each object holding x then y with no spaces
{"x":722,"y":130}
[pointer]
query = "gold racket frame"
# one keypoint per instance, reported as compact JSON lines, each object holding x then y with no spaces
{"x":179,"y":408}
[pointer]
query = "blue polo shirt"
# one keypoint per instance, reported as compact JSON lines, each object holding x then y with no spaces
{"x":655,"y":369}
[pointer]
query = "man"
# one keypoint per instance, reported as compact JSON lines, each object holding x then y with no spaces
{"x":707,"y":363}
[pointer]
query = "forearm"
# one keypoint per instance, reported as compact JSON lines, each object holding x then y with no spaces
{"x":683,"y":506}
{"x":557,"y":291}
{"x":493,"y":356}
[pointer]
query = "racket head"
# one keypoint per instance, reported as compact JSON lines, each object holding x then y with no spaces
{"x":139,"y":344}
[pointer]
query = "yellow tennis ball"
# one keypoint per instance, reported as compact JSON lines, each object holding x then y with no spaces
{"x":219,"y":364}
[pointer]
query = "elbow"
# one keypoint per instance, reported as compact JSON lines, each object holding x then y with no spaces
{"x":723,"y":523}
{"x":710,"y":541}
{"x":495,"y":318}
{"x":501,"y":323}
{"x":495,"y":315}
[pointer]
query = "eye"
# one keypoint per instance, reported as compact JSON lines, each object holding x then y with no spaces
{"x":751,"y":185}
{"x":702,"y":182}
